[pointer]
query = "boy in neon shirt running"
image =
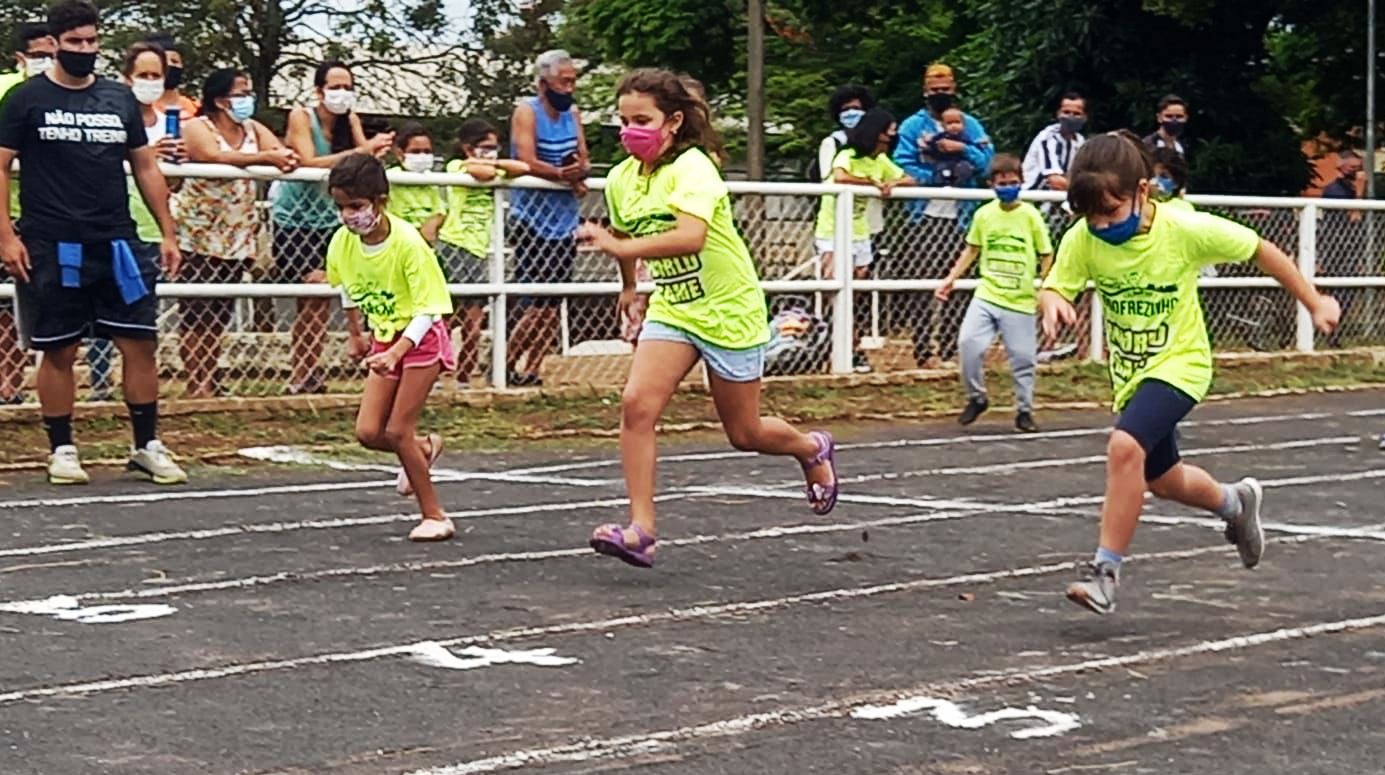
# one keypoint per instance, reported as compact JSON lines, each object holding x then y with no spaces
{"x":1144,"y":259}
{"x":386,"y":269}
{"x":671,"y":207}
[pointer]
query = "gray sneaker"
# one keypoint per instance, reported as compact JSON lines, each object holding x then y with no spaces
{"x":1097,"y":590}
{"x":1245,"y":531}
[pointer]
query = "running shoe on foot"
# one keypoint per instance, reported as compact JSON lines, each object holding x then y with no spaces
{"x":64,"y":467}
{"x":975,"y":408}
{"x":433,"y":530}
{"x":1097,"y":590}
{"x":1024,"y":423}
{"x":1245,"y":531}
{"x":156,"y":462}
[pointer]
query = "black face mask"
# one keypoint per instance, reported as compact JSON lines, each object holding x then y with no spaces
{"x":174,"y":78}
{"x":561,"y":101}
{"x":1072,"y":124}
{"x":77,"y":64}
{"x":940,"y":101}
{"x":1173,"y":128}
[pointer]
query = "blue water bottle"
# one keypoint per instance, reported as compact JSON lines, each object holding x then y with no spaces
{"x":173,"y":126}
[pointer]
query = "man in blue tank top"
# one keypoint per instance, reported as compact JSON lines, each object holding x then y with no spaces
{"x":545,"y":133}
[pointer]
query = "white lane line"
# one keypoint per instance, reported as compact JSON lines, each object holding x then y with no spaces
{"x":1025,"y":465}
{"x":291,"y":455}
{"x":1318,"y":531}
{"x":178,"y":495}
{"x":778,"y":531}
{"x":980,"y":438}
{"x":140,"y":539}
{"x":691,"y":613}
{"x":630,"y":745}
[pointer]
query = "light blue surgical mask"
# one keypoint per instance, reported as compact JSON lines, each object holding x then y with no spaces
{"x":1120,"y":233}
{"x":242,"y":108}
{"x":1007,"y":194}
{"x":850,"y":117}
{"x":1164,"y":186}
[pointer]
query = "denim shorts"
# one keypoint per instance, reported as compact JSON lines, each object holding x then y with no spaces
{"x":746,"y":365}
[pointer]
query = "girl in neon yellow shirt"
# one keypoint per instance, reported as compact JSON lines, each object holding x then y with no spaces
{"x":386,"y":269}
{"x":669,"y":207}
{"x":1145,"y":258}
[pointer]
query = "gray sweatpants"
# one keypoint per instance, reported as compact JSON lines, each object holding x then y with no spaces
{"x":982,"y":322}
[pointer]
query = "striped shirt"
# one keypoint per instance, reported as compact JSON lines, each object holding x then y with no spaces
{"x":1049,"y":154}
{"x":551,"y":215}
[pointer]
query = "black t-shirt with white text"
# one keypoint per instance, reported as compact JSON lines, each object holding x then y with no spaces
{"x":72,"y":144}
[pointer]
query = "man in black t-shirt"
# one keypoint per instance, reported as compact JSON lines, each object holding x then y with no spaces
{"x":78,"y":267}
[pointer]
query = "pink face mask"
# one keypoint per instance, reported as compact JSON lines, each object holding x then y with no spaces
{"x":362,"y":221}
{"x":643,"y":142}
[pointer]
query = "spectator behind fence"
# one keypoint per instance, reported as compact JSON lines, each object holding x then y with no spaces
{"x":304,"y":216}
{"x":464,"y":242}
{"x":865,"y":161}
{"x":1050,"y":153}
{"x":33,"y":56}
{"x":79,"y":268}
{"x":218,"y":221}
{"x":1011,"y":240}
{"x":846,"y":106}
{"x":1170,"y":181}
{"x":421,"y":206}
{"x":546,"y":134}
{"x":172,"y":97}
{"x":1342,"y":235}
{"x":926,"y":245}
{"x":1172,"y":117}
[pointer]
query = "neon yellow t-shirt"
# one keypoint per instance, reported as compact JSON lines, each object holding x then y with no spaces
{"x":415,"y":204}
{"x":1148,"y":288}
{"x":391,"y":286}
{"x":8,"y":81}
{"x":876,"y":169}
{"x":1010,"y":242}
{"x":714,"y":294}
{"x":470,"y":215}
{"x":1178,"y":203}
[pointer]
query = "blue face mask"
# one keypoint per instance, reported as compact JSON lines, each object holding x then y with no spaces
{"x":1164,"y":186}
{"x":1007,"y":194}
{"x":850,"y":117}
{"x":1118,"y":233}
{"x":242,"y":108}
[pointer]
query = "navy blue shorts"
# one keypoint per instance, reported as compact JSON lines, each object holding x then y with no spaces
{"x":1152,"y":416}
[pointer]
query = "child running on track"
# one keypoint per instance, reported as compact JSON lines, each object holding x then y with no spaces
{"x":1144,"y":259}
{"x":1011,"y":238}
{"x":669,"y":206}
{"x":385,"y":268}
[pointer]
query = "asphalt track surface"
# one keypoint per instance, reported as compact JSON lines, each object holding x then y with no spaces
{"x":920,"y":628}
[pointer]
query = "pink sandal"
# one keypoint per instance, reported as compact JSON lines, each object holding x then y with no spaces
{"x":610,"y":541}
{"x":823,"y":498}
{"x":402,"y":484}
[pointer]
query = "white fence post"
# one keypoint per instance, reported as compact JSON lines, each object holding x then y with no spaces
{"x":843,"y":314}
{"x":499,"y":306}
{"x":1096,"y":338}
{"x":1308,"y":265}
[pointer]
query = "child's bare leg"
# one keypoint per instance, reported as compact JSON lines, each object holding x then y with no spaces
{"x":374,"y":413}
{"x":1125,"y":492}
{"x":401,"y":435}
{"x":657,"y":369}
{"x":738,"y":406}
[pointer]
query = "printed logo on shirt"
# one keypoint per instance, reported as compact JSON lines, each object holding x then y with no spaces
{"x":1128,"y":301}
{"x":65,"y":126}
{"x":1005,"y":272}
{"x":677,"y":278}
{"x":375,"y":304}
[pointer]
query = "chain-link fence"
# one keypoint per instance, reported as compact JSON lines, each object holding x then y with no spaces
{"x":250,"y":316}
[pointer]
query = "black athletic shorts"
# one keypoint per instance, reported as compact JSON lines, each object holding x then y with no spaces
{"x":1152,"y":416}
{"x":53,"y":317}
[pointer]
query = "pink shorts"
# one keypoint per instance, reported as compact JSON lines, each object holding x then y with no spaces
{"x":436,"y":347}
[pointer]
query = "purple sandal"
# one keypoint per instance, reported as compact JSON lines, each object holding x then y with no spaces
{"x":610,"y":540}
{"x":822,"y":499}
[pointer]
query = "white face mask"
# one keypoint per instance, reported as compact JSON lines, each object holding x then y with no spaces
{"x":339,"y":101}
{"x":418,"y":162}
{"x":147,"y":91}
{"x":37,"y":66}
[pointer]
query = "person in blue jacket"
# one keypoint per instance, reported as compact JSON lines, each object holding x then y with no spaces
{"x":932,"y":235}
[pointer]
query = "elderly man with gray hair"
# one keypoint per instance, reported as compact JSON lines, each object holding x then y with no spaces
{"x":545,"y":133}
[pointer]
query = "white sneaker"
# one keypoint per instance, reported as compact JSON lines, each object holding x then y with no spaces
{"x":64,"y":467}
{"x":433,"y":530}
{"x":156,"y":462}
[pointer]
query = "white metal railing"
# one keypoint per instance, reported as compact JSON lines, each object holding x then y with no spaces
{"x":841,"y":291}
